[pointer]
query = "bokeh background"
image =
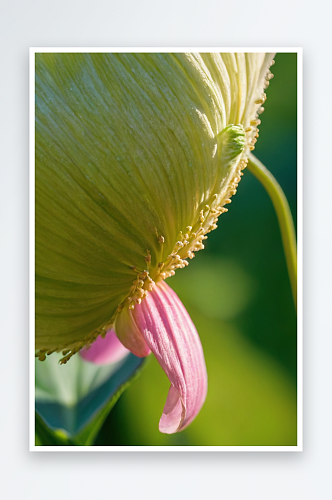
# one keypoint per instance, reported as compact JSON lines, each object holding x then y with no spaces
{"x":238,"y":294}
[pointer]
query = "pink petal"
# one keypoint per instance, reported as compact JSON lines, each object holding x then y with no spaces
{"x":172,"y":337}
{"x":105,"y":351}
{"x":129,"y":334}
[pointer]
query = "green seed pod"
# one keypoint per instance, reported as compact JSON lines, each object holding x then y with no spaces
{"x":136,"y":156}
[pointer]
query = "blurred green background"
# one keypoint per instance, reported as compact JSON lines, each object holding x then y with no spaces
{"x":238,"y":294}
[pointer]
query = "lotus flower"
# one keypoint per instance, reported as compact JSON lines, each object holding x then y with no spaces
{"x":136,"y":157}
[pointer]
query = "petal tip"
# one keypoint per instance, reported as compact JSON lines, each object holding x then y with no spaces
{"x":174,"y":413}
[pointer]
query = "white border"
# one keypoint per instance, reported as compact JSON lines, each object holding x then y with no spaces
{"x":300,"y":249}
{"x":32,"y":250}
{"x":32,"y":446}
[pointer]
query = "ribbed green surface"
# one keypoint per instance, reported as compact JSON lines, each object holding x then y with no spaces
{"x":126,"y":151}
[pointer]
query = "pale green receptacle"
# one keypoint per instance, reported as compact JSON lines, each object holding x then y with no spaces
{"x":136,"y":156}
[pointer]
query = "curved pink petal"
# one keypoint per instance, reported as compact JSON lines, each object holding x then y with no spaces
{"x":104,"y":351}
{"x":129,"y":334}
{"x":172,"y":337}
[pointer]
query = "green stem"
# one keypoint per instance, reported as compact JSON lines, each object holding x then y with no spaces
{"x":284,"y":215}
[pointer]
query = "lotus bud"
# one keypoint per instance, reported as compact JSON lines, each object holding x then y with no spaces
{"x":136,"y":157}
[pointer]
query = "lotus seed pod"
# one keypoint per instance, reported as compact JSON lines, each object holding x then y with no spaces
{"x":136,"y":157}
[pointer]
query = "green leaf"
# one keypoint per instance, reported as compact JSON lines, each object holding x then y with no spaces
{"x":87,"y":436}
{"x":46,"y":437}
{"x":77,"y":397}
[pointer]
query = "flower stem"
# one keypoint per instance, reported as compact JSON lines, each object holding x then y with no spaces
{"x":284,"y":215}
